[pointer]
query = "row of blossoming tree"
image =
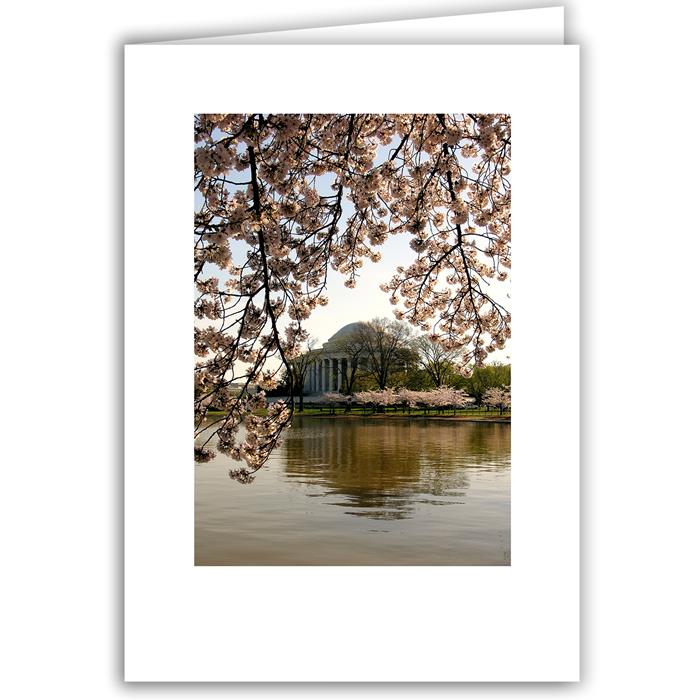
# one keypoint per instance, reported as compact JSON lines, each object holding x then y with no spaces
{"x":281,"y":200}
{"x":443,"y":398}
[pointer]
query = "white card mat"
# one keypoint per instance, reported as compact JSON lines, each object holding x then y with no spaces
{"x":516,"y":623}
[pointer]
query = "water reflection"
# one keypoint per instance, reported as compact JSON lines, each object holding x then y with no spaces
{"x":384,"y":469}
{"x":363,"y":491}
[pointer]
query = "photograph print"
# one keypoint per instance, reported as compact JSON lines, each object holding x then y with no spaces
{"x":352,"y":369}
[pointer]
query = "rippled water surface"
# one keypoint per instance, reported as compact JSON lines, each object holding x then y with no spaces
{"x":363,"y":491}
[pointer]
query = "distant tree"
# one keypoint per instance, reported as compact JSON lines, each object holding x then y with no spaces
{"x":334,"y":399}
{"x":406,"y":371}
{"x":483,"y":378}
{"x":299,"y":369}
{"x":449,"y":397}
{"x":435,"y":359}
{"x":497,"y":397}
{"x":380,"y":399}
{"x":353,"y":348}
{"x":416,"y":379}
{"x":385,"y":344}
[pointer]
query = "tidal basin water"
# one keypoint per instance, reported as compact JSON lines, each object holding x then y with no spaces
{"x":363,"y":491}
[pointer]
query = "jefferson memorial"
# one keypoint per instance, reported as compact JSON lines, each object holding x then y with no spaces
{"x":331,"y":363}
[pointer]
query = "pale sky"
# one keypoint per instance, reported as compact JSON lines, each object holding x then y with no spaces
{"x":366,"y":300}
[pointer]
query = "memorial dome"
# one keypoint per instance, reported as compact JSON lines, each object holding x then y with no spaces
{"x":345,"y":332}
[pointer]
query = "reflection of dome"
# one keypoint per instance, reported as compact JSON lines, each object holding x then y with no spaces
{"x":345,"y":332}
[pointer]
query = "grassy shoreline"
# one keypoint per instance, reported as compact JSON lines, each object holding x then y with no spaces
{"x":472,"y":416}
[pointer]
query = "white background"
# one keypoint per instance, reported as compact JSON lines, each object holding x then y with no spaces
{"x":334,"y":623}
{"x":60,"y":516}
